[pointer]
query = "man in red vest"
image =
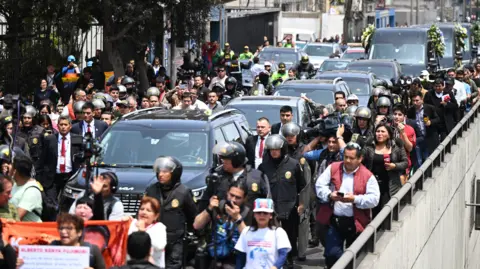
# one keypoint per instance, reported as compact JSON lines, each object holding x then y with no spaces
{"x":348,"y":191}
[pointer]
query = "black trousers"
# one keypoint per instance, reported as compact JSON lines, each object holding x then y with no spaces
{"x":60,"y":181}
{"x":290,"y":226}
{"x":174,"y":255}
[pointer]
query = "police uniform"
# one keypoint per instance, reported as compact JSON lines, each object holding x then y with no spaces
{"x":177,"y":208}
{"x":258,"y":187}
{"x":286,"y":181}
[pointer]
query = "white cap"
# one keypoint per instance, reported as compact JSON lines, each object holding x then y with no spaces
{"x":267,"y":64}
{"x":352,"y":97}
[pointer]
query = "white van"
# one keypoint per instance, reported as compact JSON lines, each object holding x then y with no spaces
{"x":300,"y":36}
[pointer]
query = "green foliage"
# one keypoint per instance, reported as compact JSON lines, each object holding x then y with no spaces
{"x":435,"y":36}
{"x":367,"y":37}
{"x":475,"y":32}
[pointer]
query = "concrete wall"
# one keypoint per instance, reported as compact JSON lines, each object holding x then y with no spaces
{"x":436,"y":230}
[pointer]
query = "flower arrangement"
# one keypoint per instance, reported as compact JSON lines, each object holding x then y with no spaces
{"x":460,"y":37}
{"x":475,"y":33}
{"x":435,"y":36}
{"x":367,"y":36}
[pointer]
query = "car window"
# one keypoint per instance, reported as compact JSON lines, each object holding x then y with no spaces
{"x":243,"y":133}
{"x":219,"y":136}
{"x":231,"y":133}
{"x":324,"y":51}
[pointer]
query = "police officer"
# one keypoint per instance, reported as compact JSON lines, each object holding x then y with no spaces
{"x":286,"y":181}
{"x":304,"y":66}
{"x":41,"y":150}
{"x":363,"y":127}
{"x":178,"y":206}
{"x":384,"y":110}
{"x":234,"y":158}
{"x":280,"y":75}
{"x":295,"y":150}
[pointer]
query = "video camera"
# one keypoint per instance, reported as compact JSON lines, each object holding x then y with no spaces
{"x":328,"y":126}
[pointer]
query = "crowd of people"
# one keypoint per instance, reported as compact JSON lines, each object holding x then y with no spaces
{"x":250,"y":213}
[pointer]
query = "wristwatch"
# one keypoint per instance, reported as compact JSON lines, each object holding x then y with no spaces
{"x":239,"y":221}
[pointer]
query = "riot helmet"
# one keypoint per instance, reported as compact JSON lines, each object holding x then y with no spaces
{"x":77,"y":107}
{"x":5,"y":154}
{"x":169,"y":164}
{"x":376,"y":91}
{"x":153,"y":91}
{"x":30,"y":111}
{"x":97,"y":103}
{"x":122,"y":92}
{"x":351,"y":110}
{"x":363,"y":112}
{"x":276,"y":141}
{"x":290,"y":129}
{"x":383,"y":102}
{"x":230,"y":84}
{"x":233,"y":151}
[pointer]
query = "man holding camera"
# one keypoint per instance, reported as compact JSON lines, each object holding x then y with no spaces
{"x":286,"y":182}
{"x":227,"y":222}
{"x":234,"y":158}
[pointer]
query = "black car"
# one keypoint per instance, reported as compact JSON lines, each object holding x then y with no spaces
{"x":385,"y":69}
{"x":361,"y":83}
{"x":321,"y":91}
{"x":131,"y":145}
{"x":334,"y":64}
{"x":275,"y":55}
{"x":255,"y":107}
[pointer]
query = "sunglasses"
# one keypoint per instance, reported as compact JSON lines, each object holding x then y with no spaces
{"x":354,"y":145}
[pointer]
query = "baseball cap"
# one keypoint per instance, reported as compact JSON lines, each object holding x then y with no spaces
{"x":352,"y":97}
{"x":227,"y":44}
{"x":267,"y":64}
{"x":263,"y":205}
{"x":246,"y":47}
{"x":71,"y":58}
{"x":281,"y":66}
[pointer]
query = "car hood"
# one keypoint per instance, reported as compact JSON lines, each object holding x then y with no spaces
{"x":136,"y":180}
{"x":317,"y":60}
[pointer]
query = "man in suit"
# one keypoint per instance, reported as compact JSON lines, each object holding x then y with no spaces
{"x":67,"y":147}
{"x":286,"y":116}
{"x":89,"y":124}
{"x":427,"y":120}
{"x":255,"y":145}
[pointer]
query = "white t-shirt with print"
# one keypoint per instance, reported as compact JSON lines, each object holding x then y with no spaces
{"x":261,"y":246}
{"x":29,"y":199}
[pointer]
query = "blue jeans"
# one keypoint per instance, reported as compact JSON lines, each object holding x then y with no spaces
{"x":334,"y":244}
{"x":422,"y":152}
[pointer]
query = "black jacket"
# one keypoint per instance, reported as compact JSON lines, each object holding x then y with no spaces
{"x":250,"y":146}
{"x":75,"y":150}
{"x":137,"y":264}
{"x":431,"y":135}
{"x":276,"y":128}
{"x":100,"y":128}
{"x":446,"y":113}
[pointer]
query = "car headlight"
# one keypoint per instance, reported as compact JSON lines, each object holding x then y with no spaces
{"x":198,"y":193}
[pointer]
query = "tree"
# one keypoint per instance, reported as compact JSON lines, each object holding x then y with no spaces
{"x":347,"y":20}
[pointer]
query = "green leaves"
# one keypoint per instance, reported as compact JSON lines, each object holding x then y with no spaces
{"x":435,"y":36}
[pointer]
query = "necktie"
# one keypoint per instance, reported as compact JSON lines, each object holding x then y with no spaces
{"x":260,"y":151}
{"x":88,"y":128}
{"x":63,"y":151}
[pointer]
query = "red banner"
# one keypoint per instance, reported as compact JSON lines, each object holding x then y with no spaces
{"x":109,"y":236}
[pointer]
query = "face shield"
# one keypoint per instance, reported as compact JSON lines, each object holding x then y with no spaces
{"x":164,"y":164}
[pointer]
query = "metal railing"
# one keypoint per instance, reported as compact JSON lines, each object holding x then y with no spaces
{"x":367,"y":240}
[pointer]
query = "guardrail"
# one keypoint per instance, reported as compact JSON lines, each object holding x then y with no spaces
{"x":367,"y":240}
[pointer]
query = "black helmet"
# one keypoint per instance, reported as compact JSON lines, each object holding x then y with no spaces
{"x":305,"y":59}
{"x":351,"y":110}
{"x":230,"y":81}
{"x":233,"y":151}
{"x":276,"y":141}
{"x":127,"y":80}
{"x":290,"y":129}
{"x":170,"y":164}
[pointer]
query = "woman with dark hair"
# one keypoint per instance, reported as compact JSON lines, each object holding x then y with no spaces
{"x":46,"y":123}
{"x":266,"y":244}
{"x":386,"y":158}
{"x":44,"y":93}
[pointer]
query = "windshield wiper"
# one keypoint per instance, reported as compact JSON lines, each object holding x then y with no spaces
{"x":103,"y":165}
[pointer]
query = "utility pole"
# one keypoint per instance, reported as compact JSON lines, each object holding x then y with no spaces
{"x":464,"y":12}
{"x":441,"y":10}
{"x":411,"y":12}
{"x":416,"y":15}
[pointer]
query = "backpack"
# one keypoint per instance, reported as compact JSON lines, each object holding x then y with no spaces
{"x":226,"y":237}
{"x":49,"y":206}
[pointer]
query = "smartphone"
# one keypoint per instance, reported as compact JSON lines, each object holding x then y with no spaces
{"x":341,"y":194}
{"x":229,"y":203}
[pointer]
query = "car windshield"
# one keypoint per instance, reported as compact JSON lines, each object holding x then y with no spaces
{"x":358,"y":86}
{"x":353,"y":55}
{"x":276,"y":57}
{"x":380,"y":70}
{"x":333,"y":65}
{"x":318,"y":96}
{"x":136,"y":144}
{"x":254,"y":111}
{"x":406,"y":47}
{"x":324,"y":51}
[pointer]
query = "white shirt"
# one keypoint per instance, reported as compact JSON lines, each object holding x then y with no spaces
{"x":67,"y":160}
{"x":258,"y":159}
{"x":237,"y":174}
{"x":85,"y":127}
{"x":257,"y":69}
{"x":217,"y":80}
{"x":461,"y":94}
{"x":261,"y":246}
{"x":180,"y":107}
{"x":324,"y":187}
{"x":158,"y":236}
{"x":201,"y":105}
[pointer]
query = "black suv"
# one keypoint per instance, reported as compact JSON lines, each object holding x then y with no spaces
{"x":131,"y":145}
{"x":385,"y":69}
